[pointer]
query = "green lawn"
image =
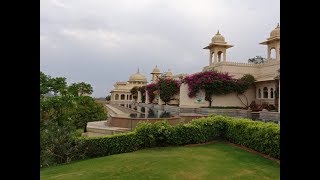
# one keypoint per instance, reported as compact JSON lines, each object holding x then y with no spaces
{"x":217,"y":160}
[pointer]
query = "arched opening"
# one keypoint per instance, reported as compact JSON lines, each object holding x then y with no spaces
{"x":271,"y":93}
{"x":127,"y":96}
{"x":273,"y":53}
{"x":130,"y":97}
{"x":122,"y":97}
{"x":259,"y":93}
{"x":117,"y":97}
{"x":265,"y":92}
{"x":220,"y":54}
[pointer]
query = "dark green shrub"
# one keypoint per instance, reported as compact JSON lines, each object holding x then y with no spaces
{"x":104,"y":146}
{"x":156,"y":134}
{"x":260,"y":136}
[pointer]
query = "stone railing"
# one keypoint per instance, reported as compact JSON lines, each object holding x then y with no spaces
{"x":269,"y":116}
{"x":229,"y":63}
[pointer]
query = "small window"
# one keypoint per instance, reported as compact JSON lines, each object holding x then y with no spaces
{"x":123,"y":97}
{"x":271,"y":93}
{"x":265,"y":92}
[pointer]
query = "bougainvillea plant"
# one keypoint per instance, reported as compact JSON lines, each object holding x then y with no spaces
{"x":168,"y":88}
{"x":151,"y":89}
{"x":213,"y":82}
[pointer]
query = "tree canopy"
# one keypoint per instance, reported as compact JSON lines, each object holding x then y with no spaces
{"x":257,"y":60}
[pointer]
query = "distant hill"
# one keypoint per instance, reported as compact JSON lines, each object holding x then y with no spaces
{"x":100,"y":99}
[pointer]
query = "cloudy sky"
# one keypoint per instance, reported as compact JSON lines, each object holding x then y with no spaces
{"x":104,"y":41}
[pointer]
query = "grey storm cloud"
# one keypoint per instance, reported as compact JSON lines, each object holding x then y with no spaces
{"x":103,"y":41}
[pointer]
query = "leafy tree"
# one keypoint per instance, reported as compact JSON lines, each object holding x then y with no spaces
{"x":108,"y":98}
{"x":87,"y":110}
{"x":48,"y":84}
{"x":134,"y":92}
{"x":256,"y":60}
{"x":168,"y":88}
{"x":79,"y":89}
{"x":61,"y":115}
{"x":142,"y":89}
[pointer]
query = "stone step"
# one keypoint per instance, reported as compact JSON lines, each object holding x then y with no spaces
{"x":110,"y":130}
{"x":92,"y":134}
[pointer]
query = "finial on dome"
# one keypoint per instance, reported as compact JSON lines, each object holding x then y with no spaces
{"x":138,"y":71}
{"x":218,"y":32}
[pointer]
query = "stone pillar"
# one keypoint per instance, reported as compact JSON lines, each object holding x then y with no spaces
{"x":269,"y":53}
{"x":224,"y":56}
{"x":159,"y":113}
{"x":278,"y":54}
{"x":139,"y":97}
{"x":138,"y":108}
{"x":215,"y":57}
{"x":210,"y":58}
{"x":160,"y":101}
{"x":147,"y":98}
{"x":146,"y":111}
{"x":279,"y":97}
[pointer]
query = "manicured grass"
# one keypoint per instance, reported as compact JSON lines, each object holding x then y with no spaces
{"x":217,"y":160}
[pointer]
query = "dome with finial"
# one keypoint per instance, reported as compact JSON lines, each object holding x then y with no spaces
{"x":218,"y":38}
{"x":275,"y":32}
{"x":156,"y":70}
{"x":168,"y":74}
{"x":137,"y":77}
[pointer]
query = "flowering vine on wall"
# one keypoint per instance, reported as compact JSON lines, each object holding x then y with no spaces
{"x":168,"y":88}
{"x":151,"y":89}
{"x":165,"y":88}
{"x":213,"y":82}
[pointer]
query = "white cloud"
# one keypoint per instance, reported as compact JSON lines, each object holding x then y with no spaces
{"x":103,"y":37}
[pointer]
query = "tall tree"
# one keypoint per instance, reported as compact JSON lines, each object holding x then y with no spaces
{"x":79,"y":89}
{"x":48,"y":84}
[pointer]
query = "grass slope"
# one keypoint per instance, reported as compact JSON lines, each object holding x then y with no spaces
{"x":217,"y":160}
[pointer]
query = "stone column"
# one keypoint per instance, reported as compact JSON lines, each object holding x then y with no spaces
{"x":139,"y":97}
{"x":279,"y":97}
{"x":224,"y":56}
{"x":146,"y":111}
{"x":159,"y":113}
{"x":160,"y":101}
{"x":269,"y":53}
{"x":147,"y":98}
{"x":215,"y":57}
{"x":210,"y":58}
{"x":278,"y":54}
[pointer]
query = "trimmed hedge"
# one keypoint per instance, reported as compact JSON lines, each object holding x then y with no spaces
{"x":108,"y":145}
{"x":260,"y":136}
